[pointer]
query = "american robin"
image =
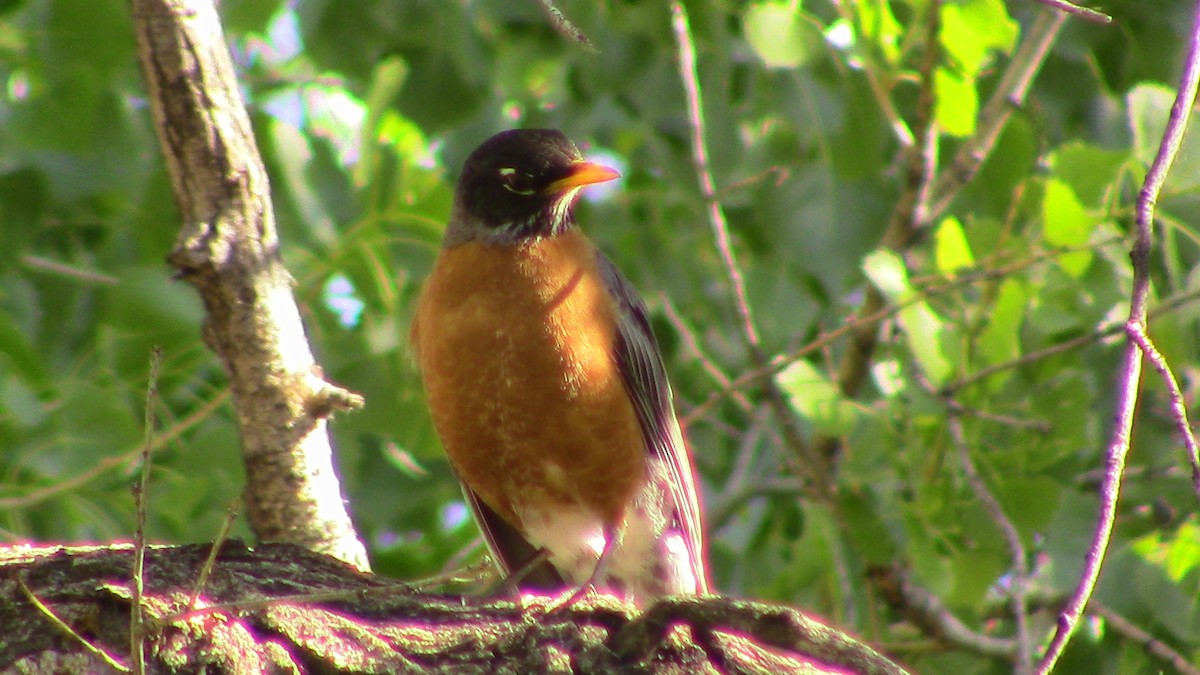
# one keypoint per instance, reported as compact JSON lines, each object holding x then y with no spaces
{"x":547,"y":387}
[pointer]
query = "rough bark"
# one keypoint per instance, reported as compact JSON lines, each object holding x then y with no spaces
{"x":279,"y":608}
{"x":229,"y":251}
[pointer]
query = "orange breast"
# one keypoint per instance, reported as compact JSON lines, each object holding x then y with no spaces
{"x":516,"y":349}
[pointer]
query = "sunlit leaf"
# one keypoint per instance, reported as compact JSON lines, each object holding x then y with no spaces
{"x":817,"y":399}
{"x":970,"y":30}
{"x":886,"y":270}
{"x":880,"y":26}
{"x":777,"y":34}
{"x":952,"y":251}
{"x":957,"y":103}
{"x":923,"y":328}
{"x":1067,"y":224}
{"x":1001,"y":339}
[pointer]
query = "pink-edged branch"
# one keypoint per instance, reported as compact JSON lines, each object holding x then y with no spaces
{"x":1127,"y":395}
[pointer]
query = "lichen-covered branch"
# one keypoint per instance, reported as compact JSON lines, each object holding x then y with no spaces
{"x":281,"y":608}
{"x":228,"y":250}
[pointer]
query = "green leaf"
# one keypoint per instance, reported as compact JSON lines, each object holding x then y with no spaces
{"x":971,"y":30}
{"x":20,"y":403}
{"x":1067,"y":224}
{"x":880,"y":26}
{"x":924,"y":330}
{"x":248,"y":15}
{"x":957,"y":103}
{"x":1031,"y":502}
{"x":778,"y":36}
{"x":886,"y":270}
{"x":1178,"y":554}
{"x":1094,"y":173}
{"x":1149,"y":110}
{"x":952,"y":251}
{"x":1000,"y":341}
{"x":23,"y":197}
{"x":817,"y":399}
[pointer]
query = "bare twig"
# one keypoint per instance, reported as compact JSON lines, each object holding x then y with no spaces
{"x":692,"y":344}
{"x":108,"y":463}
{"x":211,"y":561}
{"x":1118,"y":447}
{"x":137,"y":636}
{"x":564,"y":26}
{"x":927,"y":611}
{"x":814,"y":466}
{"x":902,"y":224}
{"x":108,"y":659}
{"x":1073,"y":343}
{"x":1085,"y":13}
{"x":1137,"y":333}
{"x":1023,"y":653}
{"x":870,"y":70}
{"x":1132,"y":632}
{"x":70,"y":271}
{"x":708,"y":188}
{"x":1009,"y":95}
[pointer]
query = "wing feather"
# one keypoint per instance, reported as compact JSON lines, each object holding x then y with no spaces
{"x":646,"y":378}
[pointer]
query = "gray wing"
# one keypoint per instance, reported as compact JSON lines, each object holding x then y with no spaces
{"x":645,"y":377}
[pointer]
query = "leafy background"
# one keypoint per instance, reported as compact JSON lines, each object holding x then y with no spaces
{"x":364,"y":111}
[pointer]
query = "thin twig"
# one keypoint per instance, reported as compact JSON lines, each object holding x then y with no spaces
{"x":69,"y":271}
{"x":1085,"y":13}
{"x":93,"y":649}
{"x":779,"y":363}
{"x":1137,"y":333}
{"x":813,"y":465}
{"x":927,"y":611}
{"x":211,"y":561}
{"x":564,"y":26}
{"x":137,"y":635}
{"x":1132,"y":632}
{"x":1118,"y":447}
{"x":1023,"y":655}
{"x":1009,"y":95}
{"x":692,"y":345}
{"x":870,"y":70}
{"x":708,"y":188}
{"x":108,"y":463}
{"x":902,"y":226}
{"x":1094,"y":336}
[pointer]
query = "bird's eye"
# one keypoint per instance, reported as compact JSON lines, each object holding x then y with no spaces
{"x":516,"y":181}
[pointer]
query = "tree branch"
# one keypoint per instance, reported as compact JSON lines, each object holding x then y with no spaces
{"x":229,"y":250}
{"x":812,"y":465}
{"x":1009,"y":96}
{"x":281,"y":608}
{"x":1023,"y":644}
{"x":1118,"y":447}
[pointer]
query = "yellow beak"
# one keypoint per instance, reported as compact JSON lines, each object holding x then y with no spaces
{"x":582,"y":173}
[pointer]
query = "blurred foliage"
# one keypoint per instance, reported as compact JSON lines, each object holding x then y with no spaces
{"x":364,"y":110}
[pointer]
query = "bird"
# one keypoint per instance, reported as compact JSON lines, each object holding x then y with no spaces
{"x":547,"y":388}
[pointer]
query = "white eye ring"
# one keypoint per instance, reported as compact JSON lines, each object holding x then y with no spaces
{"x":516,"y":182}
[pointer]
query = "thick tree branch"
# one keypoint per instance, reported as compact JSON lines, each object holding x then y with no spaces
{"x":280,"y":608}
{"x":229,"y":250}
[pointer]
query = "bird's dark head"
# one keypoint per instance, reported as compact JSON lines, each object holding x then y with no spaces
{"x":520,"y":183}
